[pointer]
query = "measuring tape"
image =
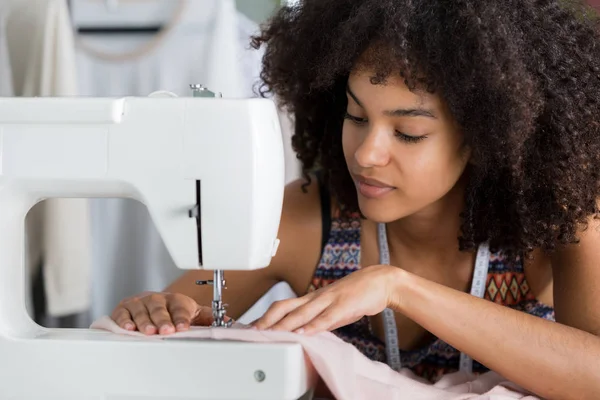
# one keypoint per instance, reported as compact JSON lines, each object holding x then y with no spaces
{"x":389,"y":318}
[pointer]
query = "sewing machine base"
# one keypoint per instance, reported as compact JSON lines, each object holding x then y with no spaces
{"x":74,"y":364}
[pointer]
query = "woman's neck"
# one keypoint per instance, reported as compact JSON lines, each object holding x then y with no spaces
{"x":433,"y":230}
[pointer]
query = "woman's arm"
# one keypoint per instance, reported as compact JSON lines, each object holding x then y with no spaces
{"x":553,"y":360}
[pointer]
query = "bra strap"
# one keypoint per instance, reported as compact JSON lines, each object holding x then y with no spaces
{"x":325,"y":200}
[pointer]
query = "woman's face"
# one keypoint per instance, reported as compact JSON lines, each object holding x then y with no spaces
{"x":402,"y":148}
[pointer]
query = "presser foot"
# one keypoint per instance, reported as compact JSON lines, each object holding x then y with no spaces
{"x":218,"y":308}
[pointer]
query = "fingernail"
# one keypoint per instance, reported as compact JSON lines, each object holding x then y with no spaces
{"x":149,"y":329}
{"x":129,"y":326}
{"x":299,"y":331}
{"x":166,"y":329}
{"x":180,"y":326}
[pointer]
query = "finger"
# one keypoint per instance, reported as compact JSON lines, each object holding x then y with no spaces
{"x":204,"y":316}
{"x":277,"y":311}
{"x":123,"y":319}
{"x":141,"y":318}
{"x":183,"y":310}
{"x":302,"y":315}
{"x":326,"y":321}
{"x":159,"y":314}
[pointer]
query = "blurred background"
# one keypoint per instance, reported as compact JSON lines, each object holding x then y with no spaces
{"x":85,"y":255}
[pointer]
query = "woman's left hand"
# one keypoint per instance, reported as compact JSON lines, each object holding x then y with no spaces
{"x":367,"y":291}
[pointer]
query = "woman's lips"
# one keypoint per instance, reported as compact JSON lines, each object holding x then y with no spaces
{"x":372,"y":189}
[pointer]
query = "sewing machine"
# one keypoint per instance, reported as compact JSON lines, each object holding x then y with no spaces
{"x":211,"y":172}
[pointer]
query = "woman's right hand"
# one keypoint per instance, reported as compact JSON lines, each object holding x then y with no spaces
{"x":162,"y":313}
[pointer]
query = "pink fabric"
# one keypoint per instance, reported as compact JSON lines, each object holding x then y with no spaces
{"x":351,"y":375}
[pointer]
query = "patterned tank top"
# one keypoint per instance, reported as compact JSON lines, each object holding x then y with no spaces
{"x":505,"y":285}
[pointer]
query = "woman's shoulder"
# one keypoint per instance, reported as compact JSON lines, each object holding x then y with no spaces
{"x":310,"y":200}
{"x":300,"y":233}
{"x":310,"y":219}
{"x":302,"y":205}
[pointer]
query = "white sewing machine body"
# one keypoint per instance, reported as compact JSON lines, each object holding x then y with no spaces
{"x":172,"y":154}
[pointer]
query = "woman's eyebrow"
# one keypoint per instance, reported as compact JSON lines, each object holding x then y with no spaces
{"x":400,"y":112}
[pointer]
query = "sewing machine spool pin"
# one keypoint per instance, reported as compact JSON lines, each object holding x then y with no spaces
{"x":199,"y":90}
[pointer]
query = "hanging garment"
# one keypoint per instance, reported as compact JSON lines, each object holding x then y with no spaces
{"x":40,"y":48}
{"x":6,"y":84}
{"x":204,"y":42}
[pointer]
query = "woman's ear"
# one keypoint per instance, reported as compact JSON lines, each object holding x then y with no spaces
{"x":472,"y":160}
{"x":467,"y":154}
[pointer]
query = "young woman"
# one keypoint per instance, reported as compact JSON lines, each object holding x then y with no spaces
{"x":456,"y":152}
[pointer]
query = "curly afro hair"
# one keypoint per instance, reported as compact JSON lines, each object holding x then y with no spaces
{"x":521,"y":77}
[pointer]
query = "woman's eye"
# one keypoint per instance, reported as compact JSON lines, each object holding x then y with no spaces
{"x":401,"y":136}
{"x":408,"y":138}
{"x":355,"y":120}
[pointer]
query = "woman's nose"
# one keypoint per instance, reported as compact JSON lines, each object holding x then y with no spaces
{"x":374,"y":150}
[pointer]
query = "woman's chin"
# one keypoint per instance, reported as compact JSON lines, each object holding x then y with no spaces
{"x":379,"y":212}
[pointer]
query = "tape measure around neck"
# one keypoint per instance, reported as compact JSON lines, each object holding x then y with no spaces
{"x":389,"y":319}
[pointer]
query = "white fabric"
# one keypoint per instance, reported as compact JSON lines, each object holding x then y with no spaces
{"x":281,"y":291}
{"x":42,"y":57}
{"x":208,"y":44}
